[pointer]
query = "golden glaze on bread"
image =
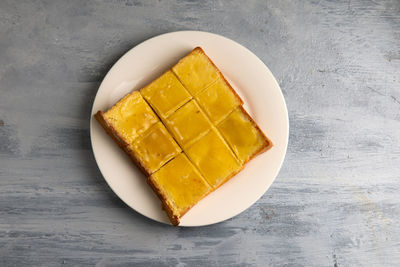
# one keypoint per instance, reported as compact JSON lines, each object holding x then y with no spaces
{"x":188,"y":123}
{"x":155,"y":147}
{"x":180,"y":186}
{"x":205,"y":116}
{"x":166,"y":94}
{"x":196,"y":71}
{"x":214,"y":158}
{"x":243,"y":135}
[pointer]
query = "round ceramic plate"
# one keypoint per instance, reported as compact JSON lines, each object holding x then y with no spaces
{"x":250,"y":78}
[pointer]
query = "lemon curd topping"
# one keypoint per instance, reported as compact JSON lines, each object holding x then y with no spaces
{"x":218,"y":100}
{"x":155,"y":147}
{"x":166,"y":94}
{"x":181,"y":183}
{"x":214,"y":158}
{"x":241,"y":134}
{"x":131,"y":116}
{"x":187,"y":130}
{"x":196,"y":71}
{"x":187,"y":123}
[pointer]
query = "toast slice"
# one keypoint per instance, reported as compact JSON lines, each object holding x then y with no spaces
{"x":218,"y":100}
{"x":243,"y":135}
{"x":131,"y":116}
{"x":165,"y":94}
{"x":155,"y":148}
{"x":125,"y":121}
{"x":187,"y":131}
{"x":213,"y":157}
{"x":188,"y":123}
{"x":196,"y":71}
{"x":180,"y":186}
{"x":138,"y":131}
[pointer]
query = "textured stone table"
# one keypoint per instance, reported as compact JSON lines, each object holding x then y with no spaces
{"x":336,"y":201}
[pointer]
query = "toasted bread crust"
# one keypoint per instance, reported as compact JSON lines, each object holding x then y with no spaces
{"x":120,"y":141}
{"x":268,"y":141}
{"x":268,"y":145}
{"x":122,"y":144}
{"x":172,"y":217}
{"x":199,"y":49}
{"x":175,"y":220}
{"x":219,"y":73}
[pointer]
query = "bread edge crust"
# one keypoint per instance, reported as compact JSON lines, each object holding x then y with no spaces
{"x":174,"y":219}
{"x":198,"y":48}
{"x":268,"y":145}
{"x":99,"y":116}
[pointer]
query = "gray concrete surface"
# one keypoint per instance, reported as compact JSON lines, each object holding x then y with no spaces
{"x":336,"y":201}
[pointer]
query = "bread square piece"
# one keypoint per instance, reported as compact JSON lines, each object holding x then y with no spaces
{"x":218,"y":100}
{"x":196,"y":71}
{"x":188,"y":123}
{"x":130,"y":117}
{"x":166,"y":94}
{"x":155,"y":147}
{"x":214,"y":158}
{"x":243,"y":135}
{"x":180,"y":186}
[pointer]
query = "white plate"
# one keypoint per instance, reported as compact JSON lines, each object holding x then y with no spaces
{"x":250,"y":78}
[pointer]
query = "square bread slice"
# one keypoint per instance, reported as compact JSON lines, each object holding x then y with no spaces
{"x":218,"y":100}
{"x":126,"y":121}
{"x":188,"y":123}
{"x":243,"y":135}
{"x":165,"y":94}
{"x":196,"y":71}
{"x":129,"y":118}
{"x":214,"y":158}
{"x":180,"y":186}
{"x":155,"y":148}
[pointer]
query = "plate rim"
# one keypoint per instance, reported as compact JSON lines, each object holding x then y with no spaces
{"x":125,"y":55}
